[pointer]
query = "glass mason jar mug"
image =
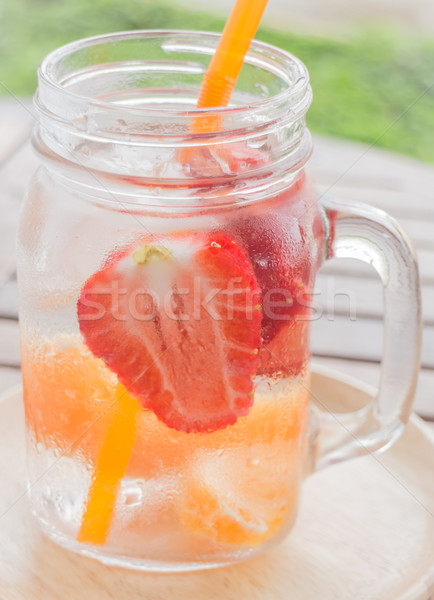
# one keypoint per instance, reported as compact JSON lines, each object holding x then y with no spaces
{"x":167,"y":257}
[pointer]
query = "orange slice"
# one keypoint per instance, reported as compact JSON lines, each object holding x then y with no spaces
{"x":67,"y":392}
{"x":221,"y":519}
{"x":242,"y":500}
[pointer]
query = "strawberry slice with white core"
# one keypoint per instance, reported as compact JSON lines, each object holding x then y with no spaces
{"x":179,"y":322}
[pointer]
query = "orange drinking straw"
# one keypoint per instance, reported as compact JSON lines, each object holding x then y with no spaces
{"x":221,"y":77}
{"x":222,"y":74}
{"x":216,"y":90}
{"x":110,"y":467}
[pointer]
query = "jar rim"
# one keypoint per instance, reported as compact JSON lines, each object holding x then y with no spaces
{"x":292,"y":71}
{"x":122,"y":103}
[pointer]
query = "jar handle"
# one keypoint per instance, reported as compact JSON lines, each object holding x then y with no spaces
{"x":368,"y":234}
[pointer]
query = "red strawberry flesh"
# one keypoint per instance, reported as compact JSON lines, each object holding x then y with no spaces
{"x":282,"y":240}
{"x":179,"y":324}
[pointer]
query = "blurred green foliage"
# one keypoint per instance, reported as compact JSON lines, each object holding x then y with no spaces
{"x":374,"y":88}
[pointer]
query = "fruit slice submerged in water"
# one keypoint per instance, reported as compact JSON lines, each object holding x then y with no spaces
{"x":282,"y":241}
{"x":242,"y":498}
{"x":179,"y":324}
{"x":247,"y":491}
{"x":287,"y":353}
{"x":67,"y":393}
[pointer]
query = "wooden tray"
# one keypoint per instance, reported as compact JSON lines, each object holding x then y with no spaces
{"x":365,"y":531}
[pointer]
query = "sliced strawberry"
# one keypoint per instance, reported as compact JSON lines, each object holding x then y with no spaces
{"x":276,"y":249}
{"x":179,"y":324}
{"x":288,"y":352}
{"x":282,"y":240}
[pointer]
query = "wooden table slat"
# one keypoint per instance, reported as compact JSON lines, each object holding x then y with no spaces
{"x":9,"y":299}
{"x":360,"y":339}
{"x":369,"y":372}
{"x":9,"y":377}
{"x":16,"y":122}
{"x":9,"y":343}
{"x":346,"y":295}
{"x":341,"y":164}
{"x":14,"y":177}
